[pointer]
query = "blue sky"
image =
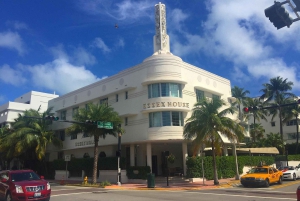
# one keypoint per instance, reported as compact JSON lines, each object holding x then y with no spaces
{"x":62,"y":45}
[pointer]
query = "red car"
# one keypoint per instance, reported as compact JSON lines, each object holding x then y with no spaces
{"x":23,"y":185}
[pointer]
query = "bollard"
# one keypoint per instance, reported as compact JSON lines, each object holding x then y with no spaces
{"x":85,"y":180}
{"x":62,"y":182}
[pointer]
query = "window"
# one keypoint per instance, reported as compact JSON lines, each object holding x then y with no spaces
{"x":167,"y":118}
{"x":126,"y":95}
{"x":60,"y":155}
{"x":104,"y":101}
{"x":62,"y":135}
{"x":273,"y":123}
{"x":73,"y":136}
{"x":85,"y":134}
{"x":292,"y":123}
{"x":75,"y":111}
{"x":164,"y":90}
{"x":63,"y":115}
{"x":215,"y":97}
{"x":292,"y":136}
{"x":199,"y":95}
{"x":117,"y":97}
{"x":126,"y":121}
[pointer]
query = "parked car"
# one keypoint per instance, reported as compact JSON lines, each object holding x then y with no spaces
{"x":298,"y":193}
{"x":262,"y":176}
{"x":291,"y":173}
{"x":23,"y":185}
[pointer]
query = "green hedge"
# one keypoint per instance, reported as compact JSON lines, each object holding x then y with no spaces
{"x":141,"y":172}
{"x":225,"y":165}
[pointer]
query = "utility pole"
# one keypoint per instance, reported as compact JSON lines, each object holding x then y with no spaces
{"x":119,"y":154}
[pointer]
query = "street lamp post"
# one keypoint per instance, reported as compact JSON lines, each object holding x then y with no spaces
{"x":119,"y":154}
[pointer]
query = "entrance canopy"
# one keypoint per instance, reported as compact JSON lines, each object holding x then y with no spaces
{"x":261,"y":150}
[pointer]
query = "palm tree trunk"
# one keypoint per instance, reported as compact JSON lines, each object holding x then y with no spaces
{"x":95,"y":167}
{"x":297,"y":140}
{"x":254,"y":136}
{"x":280,"y":124}
{"x":237,"y":175}
{"x":216,"y":181}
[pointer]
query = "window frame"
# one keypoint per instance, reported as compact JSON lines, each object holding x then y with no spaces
{"x":164,"y":89}
{"x":165,"y":118}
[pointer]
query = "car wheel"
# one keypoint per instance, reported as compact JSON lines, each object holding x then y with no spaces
{"x":8,"y":197}
{"x":47,"y":199}
{"x":294,"y":177}
{"x":267,"y":183}
{"x":280,"y":180}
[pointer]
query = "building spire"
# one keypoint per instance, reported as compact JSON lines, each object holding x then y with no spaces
{"x":161,"y":39}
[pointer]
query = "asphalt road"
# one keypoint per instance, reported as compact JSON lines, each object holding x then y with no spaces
{"x":286,"y":191}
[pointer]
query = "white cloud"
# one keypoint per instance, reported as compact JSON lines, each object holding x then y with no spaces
{"x":61,"y":76}
{"x":11,"y":40}
{"x":82,"y":57}
{"x":17,"y":25}
{"x":275,"y":67}
{"x":120,"y":43}
{"x":99,"y":43}
{"x":127,"y":11}
{"x":239,"y":32}
{"x":11,"y":76}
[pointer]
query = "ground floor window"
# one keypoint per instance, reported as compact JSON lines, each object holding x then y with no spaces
{"x":166,"y":118}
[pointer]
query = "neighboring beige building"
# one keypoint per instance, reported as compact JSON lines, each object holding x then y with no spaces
{"x":31,"y":100}
{"x":289,"y":128}
{"x":154,"y":98}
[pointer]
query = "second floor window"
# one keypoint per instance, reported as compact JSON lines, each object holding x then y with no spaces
{"x":73,"y":136}
{"x":215,"y":97}
{"x":62,"y":135}
{"x":75,"y":111}
{"x":273,"y":123}
{"x":126,"y":95}
{"x":291,"y":123}
{"x":199,"y":95}
{"x":104,"y":101}
{"x":126,"y":121}
{"x":166,"y":118}
{"x":63,"y":115}
{"x":117,"y":97}
{"x":164,"y":90}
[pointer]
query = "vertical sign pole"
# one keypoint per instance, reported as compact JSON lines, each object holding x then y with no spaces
{"x":66,"y":170}
{"x":119,"y":156}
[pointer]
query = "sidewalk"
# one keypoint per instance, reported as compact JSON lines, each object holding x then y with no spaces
{"x":163,"y":186}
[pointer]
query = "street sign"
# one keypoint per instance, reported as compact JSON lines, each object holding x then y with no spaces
{"x":67,"y":158}
{"x":105,"y":124}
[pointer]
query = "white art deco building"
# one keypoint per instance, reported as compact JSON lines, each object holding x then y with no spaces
{"x":31,"y":100}
{"x":154,"y":98}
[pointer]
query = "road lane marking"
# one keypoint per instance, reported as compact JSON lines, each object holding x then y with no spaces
{"x":247,"y":196}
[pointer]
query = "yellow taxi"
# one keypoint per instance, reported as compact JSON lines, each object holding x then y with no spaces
{"x":262,"y":175}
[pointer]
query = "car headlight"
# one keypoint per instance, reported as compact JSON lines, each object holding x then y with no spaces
{"x":259,"y":179}
{"x":48,"y":186}
{"x":19,"y":189}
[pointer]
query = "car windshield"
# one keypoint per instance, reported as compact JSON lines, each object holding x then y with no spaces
{"x":23,"y":176}
{"x":259,"y":170}
{"x":289,"y":168}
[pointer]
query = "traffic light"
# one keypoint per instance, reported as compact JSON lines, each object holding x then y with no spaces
{"x":90,"y":122}
{"x":250,"y":109}
{"x":52,"y":118}
{"x":278,"y":15}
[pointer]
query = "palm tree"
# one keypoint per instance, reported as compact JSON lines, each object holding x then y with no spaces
{"x":95,"y":112}
{"x":29,"y":134}
{"x":277,"y":90}
{"x":257,"y":114}
{"x":207,"y":121}
{"x":257,"y":131}
{"x":241,"y":96}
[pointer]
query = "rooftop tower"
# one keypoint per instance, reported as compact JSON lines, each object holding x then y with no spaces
{"x":161,"y":39}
